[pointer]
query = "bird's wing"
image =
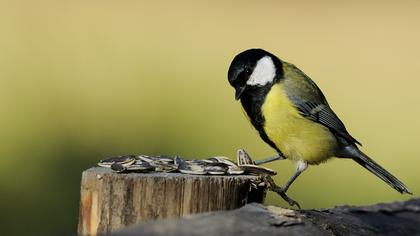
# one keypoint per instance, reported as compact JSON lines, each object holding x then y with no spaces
{"x":311,"y":102}
{"x":323,"y":114}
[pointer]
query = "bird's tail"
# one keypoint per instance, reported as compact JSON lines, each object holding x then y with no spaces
{"x":377,"y":170}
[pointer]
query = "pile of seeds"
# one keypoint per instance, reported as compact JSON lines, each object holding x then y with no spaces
{"x":212,"y":166}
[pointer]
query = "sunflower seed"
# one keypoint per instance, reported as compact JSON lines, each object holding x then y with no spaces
{"x":235,"y":170}
{"x":117,"y":167}
{"x":257,"y":170}
{"x":243,"y":158}
{"x":143,"y":166}
{"x":122,"y":160}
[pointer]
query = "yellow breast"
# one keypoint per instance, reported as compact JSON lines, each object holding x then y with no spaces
{"x":297,"y":137}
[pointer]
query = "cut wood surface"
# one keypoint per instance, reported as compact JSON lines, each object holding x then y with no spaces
{"x":398,"y":218}
{"x":111,"y":201}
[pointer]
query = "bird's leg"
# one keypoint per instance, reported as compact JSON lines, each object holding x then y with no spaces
{"x":301,"y":166}
{"x":272,"y":186}
{"x":243,"y":158}
{"x":269,"y":159}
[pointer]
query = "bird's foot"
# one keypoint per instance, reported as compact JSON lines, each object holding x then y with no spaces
{"x":269,"y":159}
{"x":244,"y":158}
{"x":272,"y":186}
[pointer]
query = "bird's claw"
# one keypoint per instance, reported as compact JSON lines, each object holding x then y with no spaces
{"x":272,"y":186}
{"x":291,"y":201}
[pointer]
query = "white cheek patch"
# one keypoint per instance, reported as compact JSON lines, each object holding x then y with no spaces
{"x":264,"y":72}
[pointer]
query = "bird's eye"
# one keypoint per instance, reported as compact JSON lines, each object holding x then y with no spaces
{"x":248,"y":71}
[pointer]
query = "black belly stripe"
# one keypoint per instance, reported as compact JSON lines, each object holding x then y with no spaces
{"x":252,"y":101}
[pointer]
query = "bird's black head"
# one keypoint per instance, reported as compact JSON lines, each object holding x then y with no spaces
{"x":253,"y":68}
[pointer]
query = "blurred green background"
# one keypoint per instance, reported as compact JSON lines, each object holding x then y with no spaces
{"x":82,"y":80}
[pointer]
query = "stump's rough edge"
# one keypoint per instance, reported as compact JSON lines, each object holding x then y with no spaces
{"x":100,"y":171}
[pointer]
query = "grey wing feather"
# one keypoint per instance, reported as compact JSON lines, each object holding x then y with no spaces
{"x":323,"y":114}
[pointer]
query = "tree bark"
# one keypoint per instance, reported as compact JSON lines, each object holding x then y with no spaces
{"x":398,"y":218}
{"x":111,"y":201}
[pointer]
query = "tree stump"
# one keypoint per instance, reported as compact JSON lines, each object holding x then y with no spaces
{"x":111,"y":201}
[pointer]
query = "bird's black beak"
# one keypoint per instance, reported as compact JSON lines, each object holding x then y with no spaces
{"x":239,"y":91}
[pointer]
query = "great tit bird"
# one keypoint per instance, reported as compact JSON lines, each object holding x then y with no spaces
{"x":292,"y":115}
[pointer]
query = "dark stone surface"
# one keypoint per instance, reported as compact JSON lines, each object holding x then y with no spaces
{"x":398,"y":218}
